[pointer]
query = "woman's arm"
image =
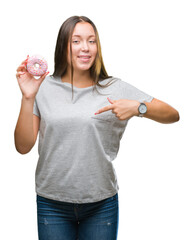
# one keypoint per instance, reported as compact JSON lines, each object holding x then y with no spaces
{"x":27,"y":127}
{"x":156,"y":110}
{"x":28,"y":124}
{"x":161,"y":112}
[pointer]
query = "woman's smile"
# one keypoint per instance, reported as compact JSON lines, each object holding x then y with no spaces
{"x":84,"y":58}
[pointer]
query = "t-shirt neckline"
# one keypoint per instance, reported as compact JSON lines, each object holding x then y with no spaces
{"x":70,"y":85}
{"x":58,"y":79}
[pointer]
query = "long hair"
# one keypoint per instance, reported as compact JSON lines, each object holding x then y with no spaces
{"x":97,"y":70}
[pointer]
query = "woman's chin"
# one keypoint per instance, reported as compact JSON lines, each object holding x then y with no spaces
{"x":82,"y":68}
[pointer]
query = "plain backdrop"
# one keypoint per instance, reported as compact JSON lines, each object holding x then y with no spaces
{"x":148,"y":43}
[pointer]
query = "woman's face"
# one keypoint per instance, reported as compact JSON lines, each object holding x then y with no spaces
{"x":84,"y":47}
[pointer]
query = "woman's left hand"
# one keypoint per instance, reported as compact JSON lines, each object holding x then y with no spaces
{"x":124,"y":109}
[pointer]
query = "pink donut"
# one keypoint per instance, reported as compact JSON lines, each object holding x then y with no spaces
{"x":37,"y":65}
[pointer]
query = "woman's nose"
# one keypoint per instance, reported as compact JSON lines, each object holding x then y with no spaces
{"x":84,"y":46}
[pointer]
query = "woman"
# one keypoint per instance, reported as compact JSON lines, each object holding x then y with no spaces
{"x":81,"y":114}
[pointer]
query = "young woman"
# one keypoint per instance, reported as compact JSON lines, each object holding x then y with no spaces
{"x":80,"y":113}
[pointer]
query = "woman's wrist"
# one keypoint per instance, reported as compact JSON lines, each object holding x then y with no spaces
{"x":27,"y":98}
{"x":136,"y":106}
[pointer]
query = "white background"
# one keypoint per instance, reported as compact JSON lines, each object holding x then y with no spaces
{"x":148,"y":43}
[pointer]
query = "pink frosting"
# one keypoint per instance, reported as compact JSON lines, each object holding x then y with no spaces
{"x":37,"y":65}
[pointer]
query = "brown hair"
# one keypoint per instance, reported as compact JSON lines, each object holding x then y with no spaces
{"x":97,"y":70}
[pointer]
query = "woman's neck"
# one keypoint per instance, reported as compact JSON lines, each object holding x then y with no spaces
{"x":80,"y":79}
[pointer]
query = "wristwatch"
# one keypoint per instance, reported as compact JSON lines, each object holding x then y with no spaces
{"x":142,"y":109}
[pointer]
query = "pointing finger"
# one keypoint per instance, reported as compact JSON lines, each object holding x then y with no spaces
{"x":104,"y":109}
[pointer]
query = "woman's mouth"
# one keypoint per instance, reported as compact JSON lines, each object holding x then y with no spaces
{"x":84,"y":58}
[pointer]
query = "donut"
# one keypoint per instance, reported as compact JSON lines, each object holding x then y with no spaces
{"x":36,"y":65}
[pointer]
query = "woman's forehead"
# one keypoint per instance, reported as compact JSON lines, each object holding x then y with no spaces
{"x":83,"y":29}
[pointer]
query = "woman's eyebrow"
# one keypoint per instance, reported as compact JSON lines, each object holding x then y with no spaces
{"x":80,"y":36}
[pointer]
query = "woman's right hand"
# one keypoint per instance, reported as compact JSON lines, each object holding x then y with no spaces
{"x":28,"y":84}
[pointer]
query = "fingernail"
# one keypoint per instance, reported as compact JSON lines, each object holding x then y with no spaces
{"x":96,"y":112}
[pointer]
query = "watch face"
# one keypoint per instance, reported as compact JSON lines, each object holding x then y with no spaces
{"x":142,"y":108}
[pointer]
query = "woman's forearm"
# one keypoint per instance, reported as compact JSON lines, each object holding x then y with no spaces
{"x":24,"y":136}
{"x":161,"y":112}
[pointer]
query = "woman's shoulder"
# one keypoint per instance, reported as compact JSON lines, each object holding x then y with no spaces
{"x":116,"y":80}
{"x":120,"y":84}
{"x":48,"y":81}
{"x":110,"y":79}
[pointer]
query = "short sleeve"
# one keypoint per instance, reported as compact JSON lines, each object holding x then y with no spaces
{"x":35,"y":109}
{"x":128,"y":91}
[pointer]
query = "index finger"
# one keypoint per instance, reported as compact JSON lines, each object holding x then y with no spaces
{"x":22,"y":66}
{"x":25,"y":61}
{"x":104,"y":109}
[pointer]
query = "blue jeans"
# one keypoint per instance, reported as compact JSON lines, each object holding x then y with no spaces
{"x":68,"y":221}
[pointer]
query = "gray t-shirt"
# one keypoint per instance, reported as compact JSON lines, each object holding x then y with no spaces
{"x":76,"y":148}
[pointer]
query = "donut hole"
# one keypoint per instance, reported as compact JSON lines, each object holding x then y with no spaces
{"x":36,"y":66}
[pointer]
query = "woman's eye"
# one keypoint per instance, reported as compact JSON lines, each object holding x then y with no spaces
{"x":77,"y":41}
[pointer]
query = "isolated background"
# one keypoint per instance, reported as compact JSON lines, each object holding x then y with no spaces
{"x":148,"y":43}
